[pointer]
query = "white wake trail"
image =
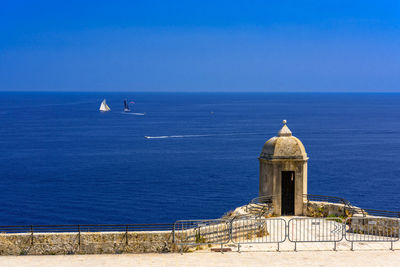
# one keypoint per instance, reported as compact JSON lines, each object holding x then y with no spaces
{"x":196,"y":135}
{"x":176,"y":136}
{"x":133,"y":113}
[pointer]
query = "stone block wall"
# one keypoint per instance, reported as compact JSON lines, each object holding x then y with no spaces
{"x":86,"y":243}
{"x":324,"y":209}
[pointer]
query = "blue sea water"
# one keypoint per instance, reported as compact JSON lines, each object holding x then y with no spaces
{"x":62,"y":161}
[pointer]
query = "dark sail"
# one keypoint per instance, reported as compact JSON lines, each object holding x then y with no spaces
{"x":126,"y":107}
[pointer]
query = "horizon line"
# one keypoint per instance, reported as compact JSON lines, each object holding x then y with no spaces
{"x":190,"y":92}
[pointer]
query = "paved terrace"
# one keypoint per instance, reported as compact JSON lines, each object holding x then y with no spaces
{"x":301,"y":258}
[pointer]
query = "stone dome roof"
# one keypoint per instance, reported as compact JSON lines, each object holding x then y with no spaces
{"x":284,"y":146}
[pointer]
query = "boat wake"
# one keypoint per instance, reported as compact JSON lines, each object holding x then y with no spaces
{"x":133,"y":113}
{"x":196,"y":135}
{"x":175,"y":136}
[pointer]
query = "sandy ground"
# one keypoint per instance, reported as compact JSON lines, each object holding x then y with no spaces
{"x":302,"y":258}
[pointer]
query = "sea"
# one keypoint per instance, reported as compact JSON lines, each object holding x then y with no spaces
{"x":64,"y":162}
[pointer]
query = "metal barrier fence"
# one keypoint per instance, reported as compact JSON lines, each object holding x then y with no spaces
{"x":315,"y":230}
{"x":258,"y":230}
{"x":201,"y":232}
{"x":372,"y":229}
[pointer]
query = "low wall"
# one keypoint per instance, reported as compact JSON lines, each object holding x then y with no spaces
{"x":324,"y":209}
{"x":120,"y":242}
{"x":86,"y":243}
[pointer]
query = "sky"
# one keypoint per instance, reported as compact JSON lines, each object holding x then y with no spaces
{"x":195,"y":46}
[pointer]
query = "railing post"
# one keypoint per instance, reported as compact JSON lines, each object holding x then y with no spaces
{"x":126,"y":235}
{"x":79,"y":236}
{"x":173,"y":233}
{"x":344,"y":209}
{"x":230,"y":231}
{"x":31,"y":234}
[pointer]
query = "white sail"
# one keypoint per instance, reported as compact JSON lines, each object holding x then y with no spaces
{"x":104,"y":106}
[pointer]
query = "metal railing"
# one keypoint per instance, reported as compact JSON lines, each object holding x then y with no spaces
{"x":242,"y":231}
{"x":201,"y":232}
{"x":192,"y":232}
{"x":380,"y":213}
{"x":352,"y":210}
{"x":78,"y":228}
{"x":258,"y":230}
{"x":329,"y":199}
{"x":315,"y":230}
{"x":261,"y":206}
{"x":267,"y":199}
{"x":372,"y":229}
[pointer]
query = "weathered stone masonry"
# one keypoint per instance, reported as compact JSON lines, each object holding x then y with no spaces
{"x":86,"y":243}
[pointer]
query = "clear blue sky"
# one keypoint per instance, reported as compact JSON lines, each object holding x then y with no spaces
{"x":266,"y":46}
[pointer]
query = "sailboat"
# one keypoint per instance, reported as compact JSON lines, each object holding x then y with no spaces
{"x":126,"y":106}
{"x":104,"y":107}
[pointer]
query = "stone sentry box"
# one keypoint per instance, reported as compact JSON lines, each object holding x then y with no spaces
{"x":283,"y":172}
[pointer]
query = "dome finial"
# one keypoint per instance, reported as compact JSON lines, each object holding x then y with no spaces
{"x":285,"y":131}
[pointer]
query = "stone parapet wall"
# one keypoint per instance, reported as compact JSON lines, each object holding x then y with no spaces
{"x":86,"y":243}
{"x":324,"y":209}
{"x":131,"y":242}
